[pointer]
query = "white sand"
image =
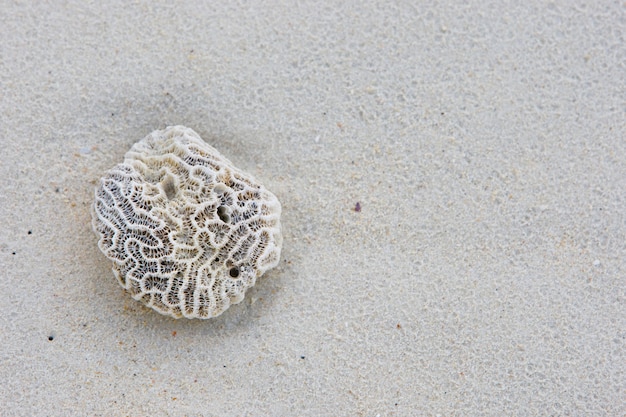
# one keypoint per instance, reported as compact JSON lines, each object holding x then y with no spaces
{"x":484,"y":274}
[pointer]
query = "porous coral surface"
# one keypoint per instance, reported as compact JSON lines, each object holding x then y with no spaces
{"x":188,"y":232}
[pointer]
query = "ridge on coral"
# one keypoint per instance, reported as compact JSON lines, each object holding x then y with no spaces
{"x":188,"y":232}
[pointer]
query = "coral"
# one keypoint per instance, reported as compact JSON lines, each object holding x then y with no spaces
{"x":188,"y":233}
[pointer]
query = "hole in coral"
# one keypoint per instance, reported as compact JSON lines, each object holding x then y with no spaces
{"x":169,"y":186}
{"x":223,"y":213}
{"x":220,"y":188}
{"x":234,"y":272}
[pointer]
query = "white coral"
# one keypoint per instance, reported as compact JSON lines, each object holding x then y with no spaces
{"x":188,"y":233}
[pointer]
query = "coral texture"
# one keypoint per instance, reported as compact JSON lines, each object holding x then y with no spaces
{"x":188,"y":233}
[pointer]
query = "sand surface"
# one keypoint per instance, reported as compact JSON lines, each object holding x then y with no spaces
{"x":484,"y":274}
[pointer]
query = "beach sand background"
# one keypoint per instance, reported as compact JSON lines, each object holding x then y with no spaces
{"x":485,"y":144}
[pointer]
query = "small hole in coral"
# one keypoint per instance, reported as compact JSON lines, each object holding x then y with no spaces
{"x":51,"y":337}
{"x":169,"y":186}
{"x":234,"y":272}
{"x":220,"y":188}
{"x":223,"y":213}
